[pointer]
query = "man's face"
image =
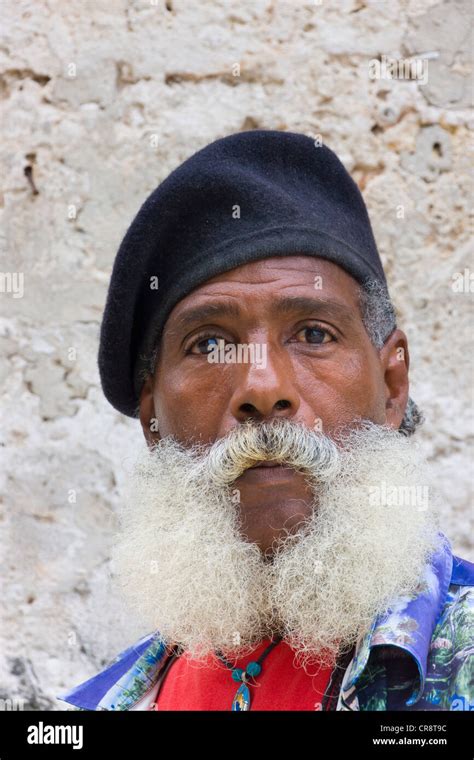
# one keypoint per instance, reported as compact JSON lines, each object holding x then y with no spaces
{"x":316,"y":366}
{"x":191,"y":559}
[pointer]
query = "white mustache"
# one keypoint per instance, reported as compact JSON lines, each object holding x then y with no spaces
{"x":281,"y":440}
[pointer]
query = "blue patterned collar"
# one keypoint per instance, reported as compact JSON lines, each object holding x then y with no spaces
{"x":410,"y":622}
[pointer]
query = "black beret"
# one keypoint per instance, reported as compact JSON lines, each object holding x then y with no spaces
{"x":294,"y":197}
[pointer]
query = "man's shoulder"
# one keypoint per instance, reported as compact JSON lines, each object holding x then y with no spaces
{"x":458,"y":608}
{"x":463,"y":572}
{"x":449,"y":684}
{"x":126,"y":678}
{"x":459,"y":602}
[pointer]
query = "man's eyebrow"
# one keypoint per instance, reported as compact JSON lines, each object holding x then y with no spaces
{"x":204,"y":312}
{"x":281,"y":305}
{"x":323,"y":306}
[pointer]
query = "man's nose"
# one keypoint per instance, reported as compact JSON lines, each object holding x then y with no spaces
{"x":266,"y":391}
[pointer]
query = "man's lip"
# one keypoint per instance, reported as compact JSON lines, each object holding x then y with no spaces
{"x":268,"y":463}
{"x":269,"y":473}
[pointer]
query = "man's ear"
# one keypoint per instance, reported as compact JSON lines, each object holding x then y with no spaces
{"x":148,"y":420}
{"x":395,"y":363}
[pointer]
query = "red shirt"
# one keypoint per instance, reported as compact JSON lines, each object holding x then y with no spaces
{"x":281,"y":685}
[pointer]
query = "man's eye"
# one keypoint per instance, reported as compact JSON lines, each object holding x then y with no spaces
{"x":204,"y":344}
{"x":314,"y":335}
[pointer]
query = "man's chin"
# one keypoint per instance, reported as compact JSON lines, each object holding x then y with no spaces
{"x":271,"y":510}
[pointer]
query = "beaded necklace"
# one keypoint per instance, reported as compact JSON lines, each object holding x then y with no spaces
{"x":241,"y":701}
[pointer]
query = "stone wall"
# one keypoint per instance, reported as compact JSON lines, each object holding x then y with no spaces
{"x":100,"y":99}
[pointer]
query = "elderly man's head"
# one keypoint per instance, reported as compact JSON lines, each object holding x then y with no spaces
{"x":261,"y":503}
{"x":248,"y":325}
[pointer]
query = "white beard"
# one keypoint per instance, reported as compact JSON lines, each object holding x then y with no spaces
{"x":186,"y":569}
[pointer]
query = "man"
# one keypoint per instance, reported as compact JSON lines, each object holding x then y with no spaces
{"x":279,"y":536}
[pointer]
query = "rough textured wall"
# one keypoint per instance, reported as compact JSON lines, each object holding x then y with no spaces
{"x":99,"y":101}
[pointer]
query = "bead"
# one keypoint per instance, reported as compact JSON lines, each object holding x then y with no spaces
{"x":253,"y":669}
{"x":237,"y":674}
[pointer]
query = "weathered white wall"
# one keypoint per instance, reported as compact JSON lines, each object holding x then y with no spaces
{"x":153,"y":84}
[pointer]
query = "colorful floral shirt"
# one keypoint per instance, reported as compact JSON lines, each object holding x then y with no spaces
{"x":417,"y":656}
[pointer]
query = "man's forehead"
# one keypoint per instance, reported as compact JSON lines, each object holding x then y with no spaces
{"x":283,"y":285}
